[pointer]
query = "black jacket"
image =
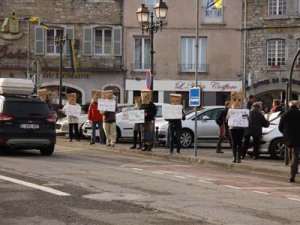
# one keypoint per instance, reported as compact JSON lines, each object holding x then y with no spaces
{"x":256,"y":122}
{"x":289,"y":126}
{"x":150,"y":109}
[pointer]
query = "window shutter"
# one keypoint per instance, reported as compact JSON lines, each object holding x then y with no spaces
{"x":70,"y":34}
{"x":117,"y":41}
{"x":87,"y":40}
{"x":39,"y":41}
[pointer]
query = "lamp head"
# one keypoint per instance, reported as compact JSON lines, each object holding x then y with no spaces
{"x":160,"y":10}
{"x":143,"y":14}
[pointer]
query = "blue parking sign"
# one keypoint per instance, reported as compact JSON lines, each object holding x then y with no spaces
{"x":194,"y":96}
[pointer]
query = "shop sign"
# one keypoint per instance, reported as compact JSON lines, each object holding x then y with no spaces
{"x":55,"y":75}
{"x":274,"y":81}
{"x":224,"y":86}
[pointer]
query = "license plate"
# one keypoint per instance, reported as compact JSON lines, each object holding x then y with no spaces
{"x":30,"y":126}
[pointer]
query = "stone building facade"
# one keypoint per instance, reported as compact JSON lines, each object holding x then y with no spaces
{"x":272,"y":40}
{"x":96,"y":23}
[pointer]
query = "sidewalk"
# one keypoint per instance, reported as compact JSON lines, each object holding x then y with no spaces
{"x":205,"y":157}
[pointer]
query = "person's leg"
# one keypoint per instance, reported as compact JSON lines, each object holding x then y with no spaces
{"x":106,"y":130}
{"x":234,"y":144}
{"x":294,"y":163}
{"x":113,"y":134}
{"x":77,"y":135}
{"x":71,"y":131}
{"x":171,"y":133}
{"x":240,"y":135}
{"x":93,"y":137}
{"x":255,"y":147}
{"x":135,"y":133}
{"x":245,"y":145}
{"x":218,"y":150}
{"x":178,"y":135}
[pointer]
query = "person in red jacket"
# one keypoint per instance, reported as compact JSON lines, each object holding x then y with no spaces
{"x":95,"y":116}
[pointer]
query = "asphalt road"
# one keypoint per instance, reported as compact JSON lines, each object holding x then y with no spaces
{"x":81,"y":185}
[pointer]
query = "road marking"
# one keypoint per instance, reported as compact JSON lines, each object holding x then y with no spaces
{"x":294,"y":199}
{"x":204,"y":181}
{"x":137,"y":169}
{"x":39,"y":187}
{"x":157,"y":172}
{"x":233,"y":187}
{"x":180,"y":177}
{"x":260,"y":192}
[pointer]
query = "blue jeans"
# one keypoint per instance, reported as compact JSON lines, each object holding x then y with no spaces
{"x":101,"y":132}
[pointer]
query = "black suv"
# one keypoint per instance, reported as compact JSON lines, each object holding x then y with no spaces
{"x":26,"y":123}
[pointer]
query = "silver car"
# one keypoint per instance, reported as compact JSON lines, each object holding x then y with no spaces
{"x":207,"y":129}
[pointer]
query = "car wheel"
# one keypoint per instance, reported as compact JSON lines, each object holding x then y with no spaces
{"x":277,"y":149}
{"x":186,"y":138}
{"x":47,"y":150}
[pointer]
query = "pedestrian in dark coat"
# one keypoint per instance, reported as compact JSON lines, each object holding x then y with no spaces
{"x":256,"y":122}
{"x":289,"y":126}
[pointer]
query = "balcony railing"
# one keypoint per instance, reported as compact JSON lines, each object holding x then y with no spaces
{"x":202,"y":68}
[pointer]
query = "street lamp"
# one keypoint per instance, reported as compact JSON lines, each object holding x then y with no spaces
{"x":60,"y":42}
{"x":143,"y":14}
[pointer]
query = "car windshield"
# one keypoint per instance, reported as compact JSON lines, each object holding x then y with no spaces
{"x":19,"y":109}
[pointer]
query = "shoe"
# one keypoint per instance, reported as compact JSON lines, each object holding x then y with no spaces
{"x":133,"y":147}
{"x":234,"y":159}
{"x":219,"y":151}
{"x":170,"y":153}
{"x":292,"y":179}
{"x":238,"y":160}
{"x":255,"y":157}
{"x":70,"y":140}
{"x":140,"y":147}
{"x":112,"y":145}
{"x":92,"y":143}
{"x":77,"y":139}
{"x":145,"y":148}
{"x":107,"y":144}
{"x":178,"y":153}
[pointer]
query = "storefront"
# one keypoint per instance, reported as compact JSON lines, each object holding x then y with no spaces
{"x":214,"y":92}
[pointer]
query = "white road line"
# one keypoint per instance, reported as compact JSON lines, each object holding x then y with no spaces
{"x":294,"y":199}
{"x":137,"y":169}
{"x":39,"y":187}
{"x":180,"y":177}
{"x":204,"y":181}
{"x":233,"y":187}
{"x":260,"y":192}
{"x":156,"y":172}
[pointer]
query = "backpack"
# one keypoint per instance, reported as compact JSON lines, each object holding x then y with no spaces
{"x":220,"y":117}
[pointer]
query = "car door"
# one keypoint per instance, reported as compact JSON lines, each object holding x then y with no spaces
{"x":206,"y":125}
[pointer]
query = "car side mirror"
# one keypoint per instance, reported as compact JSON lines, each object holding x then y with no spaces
{"x":204,"y":118}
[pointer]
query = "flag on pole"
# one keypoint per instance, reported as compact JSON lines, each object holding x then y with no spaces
{"x":73,"y":56}
{"x":43,"y":25}
{"x":34,"y":19}
{"x":211,"y":4}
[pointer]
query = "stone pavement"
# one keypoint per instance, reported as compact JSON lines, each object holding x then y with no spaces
{"x":205,"y":157}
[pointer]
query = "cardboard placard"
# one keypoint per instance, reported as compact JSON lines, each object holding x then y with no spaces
{"x":175,"y":99}
{"x":238,"y":117}
{"x":96,"y":94}
{"x":73,"y":110}
{"x":42,"y":93}
{"x":172,"y":111}
{"x":146,"y":96}
{"x":71,"y":98}
{"x":136,"y":116}
{"x":107,"y":105}
{"x":108,"y":94}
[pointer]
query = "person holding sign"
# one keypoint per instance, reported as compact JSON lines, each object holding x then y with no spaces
{"x":137,"y":126}
{"x":73,"y":111}
{"x":95,"y":116}
{"x":256,"y":122}
{"x":175,"y":126}
{"x":237,"y":121}
{"x":109,"y":118}
{"x":150,"y":113}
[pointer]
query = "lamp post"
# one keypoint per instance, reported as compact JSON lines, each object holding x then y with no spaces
{"x":151,"y":27}
{"x":60,"y":42}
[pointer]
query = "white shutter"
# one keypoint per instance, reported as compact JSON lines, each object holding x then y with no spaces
{"x":70,"y":34}
{"x":39,"y":40}
{"x":117,"y":41}
{"x":87,"y":40}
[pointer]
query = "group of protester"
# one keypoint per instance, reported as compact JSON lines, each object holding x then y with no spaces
{"x":257,"y":118}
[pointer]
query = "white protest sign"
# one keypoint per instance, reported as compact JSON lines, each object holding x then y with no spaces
{"x":73,"y":110}
{"x":238,"y":117}
{"x":171,"y":111}
{"x":107,"y":105}
{"x":125,"y":113}
{"x":136,"y":116}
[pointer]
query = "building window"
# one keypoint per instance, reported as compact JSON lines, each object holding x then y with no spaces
{"x":141,"y":54}
{"x":276,"y":52}
{"x":188,"y":55}
{"x":212,"y":15}
{"x":103,"y":41}
{"x":277,"y":7}
{"x":51,"y":48}
{"x":298,"y":59}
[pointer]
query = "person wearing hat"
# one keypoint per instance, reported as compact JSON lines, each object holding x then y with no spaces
{"x":256,"y":122}
{"x":137,"y":130}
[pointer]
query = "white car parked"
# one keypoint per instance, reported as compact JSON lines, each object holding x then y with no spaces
{"x":207,"y":129}
{"x":124,"y":128}
{"x":62,"y":126}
